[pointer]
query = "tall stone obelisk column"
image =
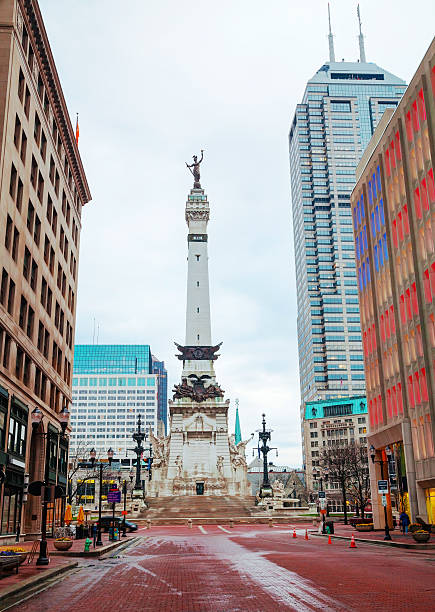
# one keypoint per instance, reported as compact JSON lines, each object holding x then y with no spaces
{"x":198,"y":457}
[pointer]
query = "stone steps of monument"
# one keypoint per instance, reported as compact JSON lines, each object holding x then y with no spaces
{"x":224,"y":506}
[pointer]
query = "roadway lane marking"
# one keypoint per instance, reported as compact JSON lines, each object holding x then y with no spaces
{"x":201,"y":528}
{"x":223,"y":529}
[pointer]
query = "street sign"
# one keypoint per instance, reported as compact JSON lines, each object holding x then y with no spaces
{"x":322,"y":494}
{"x":322,"y":503}
{"x":114,"y":496}
{"x":382,"y":486}
{"x":323,"y":511}
{"x":124,"y":513}
{"x":384,"y":500}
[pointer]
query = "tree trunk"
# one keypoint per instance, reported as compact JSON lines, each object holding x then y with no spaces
{"x":343,"y":490}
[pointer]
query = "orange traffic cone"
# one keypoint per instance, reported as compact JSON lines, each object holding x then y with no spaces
{"x":306,"y":534}
{"x":329,"y":540}
{"x":352,"y":542}
{"x":294,"y":533}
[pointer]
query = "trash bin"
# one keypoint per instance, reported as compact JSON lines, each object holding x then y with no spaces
{"x":330,"y":527}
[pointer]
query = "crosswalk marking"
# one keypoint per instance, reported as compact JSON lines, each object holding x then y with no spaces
{"x":201,"y":528}
{"x":223,"y":529}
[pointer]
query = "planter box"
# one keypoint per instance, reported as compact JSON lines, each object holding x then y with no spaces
{"x":421,"y":537}
{"x":368,"y":527}
{"x":63,"y":545}
{"x":23,"y":557}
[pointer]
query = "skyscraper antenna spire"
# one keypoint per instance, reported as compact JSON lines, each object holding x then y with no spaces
{"x":362,"y":53}
{"x":330,"y":38}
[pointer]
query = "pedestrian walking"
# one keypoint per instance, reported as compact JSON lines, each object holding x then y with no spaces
{"x":404,"y":522}
{"x":94,"y":533}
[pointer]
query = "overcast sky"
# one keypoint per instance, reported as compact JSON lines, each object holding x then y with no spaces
{"x":154,"y":82}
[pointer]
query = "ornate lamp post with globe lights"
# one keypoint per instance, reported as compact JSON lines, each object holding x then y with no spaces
{"x":42,"y":488}
{"x":264,"y":436}
{"x":101,"y":465}
{"x":138,"y":436}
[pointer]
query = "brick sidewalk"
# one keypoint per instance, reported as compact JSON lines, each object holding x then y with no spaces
{"x":57,"y":559}
{"x":78,"y":545}
{"x":378,"y":535}
{"x":28,"y":571}
{"x":212,"y":568}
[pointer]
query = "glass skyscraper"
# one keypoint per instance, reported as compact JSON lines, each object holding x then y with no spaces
{"x":340,"y":110}
{"x":112,"y":386}
{"x":112,"y":359}
{"x":158,"y":368}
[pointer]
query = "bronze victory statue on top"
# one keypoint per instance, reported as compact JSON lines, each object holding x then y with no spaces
{"x":195,"y":172}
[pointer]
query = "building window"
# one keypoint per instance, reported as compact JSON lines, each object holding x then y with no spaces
{"x":11,"y":511}
{"x":17,"y":437}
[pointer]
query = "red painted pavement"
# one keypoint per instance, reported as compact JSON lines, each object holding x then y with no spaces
{"x":252,"y":568}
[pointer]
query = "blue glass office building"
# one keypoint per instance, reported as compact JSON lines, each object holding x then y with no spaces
{"x":158,"y":368}
{"x":112,"y":359}
{"x":340,"y":110}
{"x":112,"y":386}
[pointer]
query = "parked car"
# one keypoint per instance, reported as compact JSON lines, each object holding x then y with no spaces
{"x":106,"y":522}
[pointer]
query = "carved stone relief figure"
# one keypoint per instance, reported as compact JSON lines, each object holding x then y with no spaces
{"x":179,"y":465}
{"x":220,"y":466}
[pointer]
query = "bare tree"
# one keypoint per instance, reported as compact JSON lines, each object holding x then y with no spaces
{"x":80,"y":455}
{"x":359,"y":475}
{"x":336,"y":460}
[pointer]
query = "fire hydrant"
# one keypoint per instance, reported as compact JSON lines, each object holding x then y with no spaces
{"x":88,"y":543}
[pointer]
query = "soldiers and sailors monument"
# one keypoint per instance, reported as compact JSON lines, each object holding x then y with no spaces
{"x":198,"y":457}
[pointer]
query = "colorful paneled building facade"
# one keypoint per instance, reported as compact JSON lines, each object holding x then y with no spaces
{"x":393,"y":209}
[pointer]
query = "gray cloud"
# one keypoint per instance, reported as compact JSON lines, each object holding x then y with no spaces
{"x":156,"y":81}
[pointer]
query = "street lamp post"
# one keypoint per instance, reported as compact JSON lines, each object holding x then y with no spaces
{"x":138,"y":436}
{"x":36,"y":420}
{"x":320,"y":474}
{"x":124,"y":492}
{"x":150,"y":462}
{"x":263,"y":438}
{"x":382,"y":463}
{"x":100,"y":465}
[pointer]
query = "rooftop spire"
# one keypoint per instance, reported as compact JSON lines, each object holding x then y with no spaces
{"x":237,"y":432}
{"x":330,"y":38}
{"x":362,"y":53}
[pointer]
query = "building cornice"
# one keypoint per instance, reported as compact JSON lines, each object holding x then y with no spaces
{"x":35,"y":26}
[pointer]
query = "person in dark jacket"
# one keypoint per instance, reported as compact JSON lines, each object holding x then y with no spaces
{"x":404,"y":521}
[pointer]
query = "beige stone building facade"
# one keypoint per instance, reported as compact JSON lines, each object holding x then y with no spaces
{"x":393,"y":207}
{"x":329,"y":423}
{"x":42,"y":190}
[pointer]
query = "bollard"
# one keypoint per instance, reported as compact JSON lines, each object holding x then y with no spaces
{"x":231,"y":523}
{"x":189,"y":523}
{"x":88,"y":543}
{"x":270,"y":522}
{"x":149,"y":524}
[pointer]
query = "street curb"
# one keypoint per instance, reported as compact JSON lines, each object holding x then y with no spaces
{"x":224,"y":520}
{"x":380,"y":542}
{"x":95,"y":552}
{"x":31,"y":581}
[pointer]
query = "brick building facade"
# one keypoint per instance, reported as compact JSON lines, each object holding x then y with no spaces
{"x":42,"y":189}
